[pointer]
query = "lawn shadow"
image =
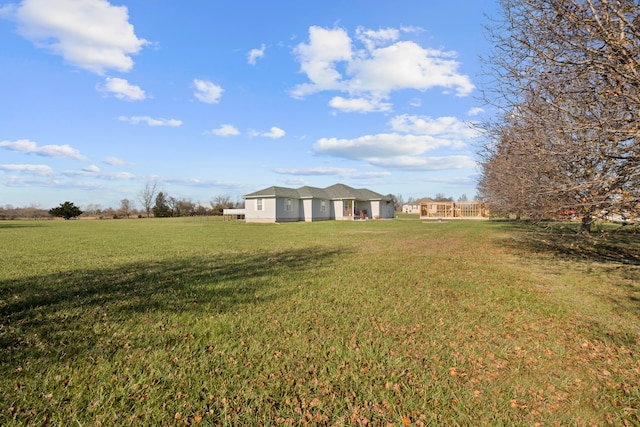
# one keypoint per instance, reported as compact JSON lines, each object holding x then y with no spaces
{"x":615,"y":253}
{"x":562,"y":240}
{"x":41,"y":312}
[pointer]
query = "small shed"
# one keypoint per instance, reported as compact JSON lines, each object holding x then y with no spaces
{"x":233,"y":214}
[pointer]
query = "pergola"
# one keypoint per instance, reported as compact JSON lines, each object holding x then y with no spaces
{"x":460,"y":210}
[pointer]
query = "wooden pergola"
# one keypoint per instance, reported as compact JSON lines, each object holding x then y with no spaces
{"x":459,"y":210}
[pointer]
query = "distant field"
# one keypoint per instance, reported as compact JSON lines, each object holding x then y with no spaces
{"x":406,"y":322}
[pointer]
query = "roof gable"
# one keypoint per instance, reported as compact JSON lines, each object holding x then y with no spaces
{"x":307,"y":192}
{"x":335,"y":192}
{"x":274,"y":191}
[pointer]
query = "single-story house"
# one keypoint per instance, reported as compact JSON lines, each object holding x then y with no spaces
{"x":339,"y":201}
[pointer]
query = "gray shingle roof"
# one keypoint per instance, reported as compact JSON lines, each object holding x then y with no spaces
{"x":307,"y":192}
{"x":274,"y":192}
{"x":336,"y":191}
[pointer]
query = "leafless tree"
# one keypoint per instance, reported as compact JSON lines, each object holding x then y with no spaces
{"x":93,"y":210}
{"x":126,"y":206}
{"x":147,"y":197}
{"x":221,"y":202}
{"x":567,"y":79}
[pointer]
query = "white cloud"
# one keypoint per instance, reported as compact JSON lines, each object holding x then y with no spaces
{"x":475,"y":111}
{"x":447,"y":127}
{"x":150,"y":121}
{"x":372,"y":38}
{"x":425,"y":163}
{"x":407,"y":147}
{"x":331,"y":171}
{"x":41,"y":170}
{"x":224,"y":130}
{"x":386,"y":64}
{"x":90,"y":34}
{"x":113,"y":161}
{"x":318,"y":60}
{"x":407,"y":65}
{"x":379,"y":145}
{"x":254,"y":54}
{"x":317,"y":171}
{"x":95,"y":172}
{"x":30,"y":147}
{"x":207,"y":92}
{"x":274,"y":132}
{"x":359,"y":105}
{"x":121,"y":89}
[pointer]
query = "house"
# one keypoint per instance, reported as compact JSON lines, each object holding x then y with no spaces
{"x":339,"y":201}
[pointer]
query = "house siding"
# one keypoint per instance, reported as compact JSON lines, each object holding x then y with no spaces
{"x":264,"y":215}
{"x":284,"y":215}
{"x":280,"y":204}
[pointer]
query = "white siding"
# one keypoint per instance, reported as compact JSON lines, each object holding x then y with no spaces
{"x":267,"y":214}
{"x":307,"y":209}
{"x":284,"y":215}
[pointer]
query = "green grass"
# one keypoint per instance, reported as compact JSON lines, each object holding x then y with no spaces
{"x":204,"y":322}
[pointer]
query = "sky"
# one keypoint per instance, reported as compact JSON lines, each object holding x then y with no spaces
{"x":206,"y":98}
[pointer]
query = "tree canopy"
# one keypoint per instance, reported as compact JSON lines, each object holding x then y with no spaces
{"x":66,"y":210}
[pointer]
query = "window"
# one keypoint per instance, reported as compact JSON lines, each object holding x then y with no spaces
{"x":258,"y":204}
{"x":323,"y":205}
{"x":287,"y":205}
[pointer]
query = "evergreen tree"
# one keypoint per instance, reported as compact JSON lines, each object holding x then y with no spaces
{"x":66,"y":210}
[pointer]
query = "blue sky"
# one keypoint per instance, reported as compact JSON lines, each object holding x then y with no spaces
{"x":206,"y":98}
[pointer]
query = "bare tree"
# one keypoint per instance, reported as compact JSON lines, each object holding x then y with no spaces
{"x":126,"y":206}
{"x":440,"y":197}
{"x":567,"y":78}
{"x":93,"y":209}
{"x":147,"y":197}
{"x":221,"y":202}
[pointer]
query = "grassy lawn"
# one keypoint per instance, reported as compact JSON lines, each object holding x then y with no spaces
{"x":204,"y":322}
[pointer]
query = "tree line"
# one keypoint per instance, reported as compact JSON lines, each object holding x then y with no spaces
{"x":153,"y":202}
{"x":565,"y":79}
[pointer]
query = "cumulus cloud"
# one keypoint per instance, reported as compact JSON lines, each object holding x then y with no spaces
{"x":40,"y":170}
{"x":378,"y":145}
{"x":30,"y":147}
{"x":382,"y":65}
{"x":207,"y":92}
{"x":150,"y":121}
{"x":90,"y":34}
{"x":318,"y":60}
{"x":224,"y":130}
{"x":359,"y":105}
{"x":274,"y":133}
{"x":448,"y":127}
{"x":475,"y":111}
{"x":373,"y":38}
{"x":408,"y":146}
{"x":122,"y":89}
{"x":255,"y":54}
{"x":113,"y":161}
